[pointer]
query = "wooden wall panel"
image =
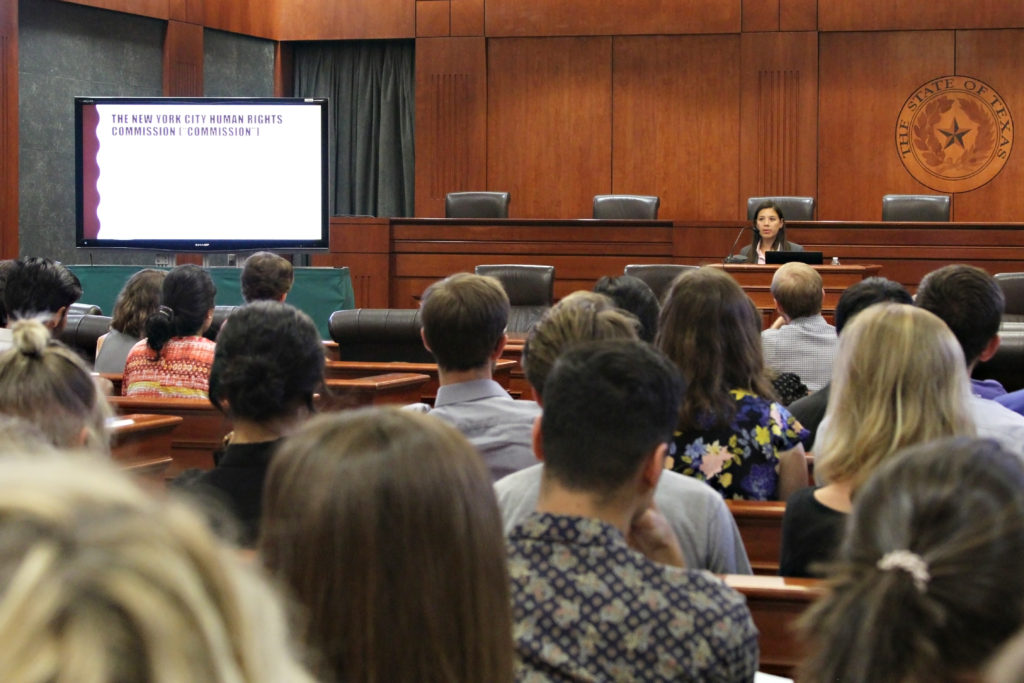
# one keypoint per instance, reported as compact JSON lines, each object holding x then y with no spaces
{"x":676,"y":122}
{"x":863,"y":81}
{"x":433,"y":18}
{"x":8,"y":130}
{"x":881,"y":15}
{"x":761,"y":15}
{"x":351,"y":19}
{"x":549,"y":123}
{"x":994,"y":57}
{"x":451,"y":120}
{"x":467,"y":17}
{"x":624,"y":17}
{"x":778,"y":117}
{"x":241,"y":16}
{"x":798,"y":15}
{"x":183,"y":60}
{"x":158,"y":9}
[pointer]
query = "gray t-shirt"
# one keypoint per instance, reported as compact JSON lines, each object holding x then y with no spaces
{"x":114,"y":352}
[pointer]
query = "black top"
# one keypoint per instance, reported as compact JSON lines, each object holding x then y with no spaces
{"x":810,"y":411}
{"x":237,"y":482}
{"x":811,"y":533}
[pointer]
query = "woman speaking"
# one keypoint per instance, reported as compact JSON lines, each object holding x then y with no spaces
{"x":769,"y":234}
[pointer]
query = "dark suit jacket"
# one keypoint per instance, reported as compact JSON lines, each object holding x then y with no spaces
{"x":790,"y":246}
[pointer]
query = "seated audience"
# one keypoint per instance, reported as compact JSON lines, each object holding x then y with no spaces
{"x":731,"y":433}
{"x":927,"y":583}
{"x":811,"y":410}
{"x":971,"y":303}
{"x":702,"y":523}
{"x":383,"y":526}
{"x":268,"y":365}
{"x":37,"y":288}
{"x":137,"y":300}
{"x":899,"y":380}
{"x":633,"y":295}
{"x":47,"y":384}
{"x":800,"y":341}
{"x":598,"y":585}
{"x":174,"y":359}
{"x":101,"y":582}
{"x":266,"y":276}
{"x":464,"y":319}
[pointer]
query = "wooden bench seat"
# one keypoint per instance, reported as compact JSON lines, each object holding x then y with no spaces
{"x":760,"y":526}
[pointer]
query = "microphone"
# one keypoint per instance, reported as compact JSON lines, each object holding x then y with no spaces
{"x":733,"y":257}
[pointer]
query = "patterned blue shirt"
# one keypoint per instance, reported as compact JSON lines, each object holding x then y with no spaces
{"x":586,"y":607}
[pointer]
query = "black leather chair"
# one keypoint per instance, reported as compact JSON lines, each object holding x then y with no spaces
{"x":81,"y":332}
{"x":1007,"y":366}
{"x":1012,"y":285}
{"x":220,"y":314}
{"x":658,"y":276}
{"x":476,"y":205}
{"x":915,"y":207}
{"x":84,"y":309}
{"x":379,"y":334}
{"x":530,"y":289}
{"x":793,"y":208}
{"x":618,"y":206}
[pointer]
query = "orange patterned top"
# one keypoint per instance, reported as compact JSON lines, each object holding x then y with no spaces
{"x":182,"y":371}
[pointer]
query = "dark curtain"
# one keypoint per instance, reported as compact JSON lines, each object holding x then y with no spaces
{"x":370,"y":85}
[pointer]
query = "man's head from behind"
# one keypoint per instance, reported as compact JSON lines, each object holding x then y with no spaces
{"x":464,"y":318}
{"x":607,"y":406}
{"x":867,"y":292}
{"x":969,"y":301}
{"x":266,"y":276}
{"x":797,"y":289}
{"x":40,"y":287}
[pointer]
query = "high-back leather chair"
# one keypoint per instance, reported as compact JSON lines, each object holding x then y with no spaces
{"x":1012,"y":285}
{"x":476,"y":205}
{"x":81,"y":332}
{"x":626,"y":206}
{"x":379,"y":334}
{"x":793,"y":208}
{"x":220,"y":314}
{"x":915,"y":207}
{"x":530,"y":289}
{"x":84,"y":309}
{"x":658,"y":276}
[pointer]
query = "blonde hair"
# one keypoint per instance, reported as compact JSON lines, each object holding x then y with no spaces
{"x":44,"y":382}
{"x":798,"y":289}
{"x":899,"y":379}
{"x":102,"y":583}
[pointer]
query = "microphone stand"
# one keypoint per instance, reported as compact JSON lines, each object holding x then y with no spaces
{"x":733,"y":257}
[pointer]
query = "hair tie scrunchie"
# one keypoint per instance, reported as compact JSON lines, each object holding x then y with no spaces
{"x":168,"y":311}
{"x":909,"y":562}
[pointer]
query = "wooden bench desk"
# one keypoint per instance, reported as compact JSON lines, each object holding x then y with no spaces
{"x":760,"y":526}
{"x":392,"y":388}
{"x":141,"y":444}
{"x":341,"y":369}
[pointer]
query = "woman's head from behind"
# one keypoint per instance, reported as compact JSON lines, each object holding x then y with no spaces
{"x":186,"y":306}
{"x":100,"y":582}
{"x":927,"y":582}
{"x":711,"y":330}
{"x":45,"y":383}
{"x":383,"y":524}
{"x":268,"y":364}
{"x":138,"y":299}
{"x":899,"y":379}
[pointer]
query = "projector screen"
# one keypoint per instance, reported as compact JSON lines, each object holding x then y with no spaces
{"x":201,"y":173}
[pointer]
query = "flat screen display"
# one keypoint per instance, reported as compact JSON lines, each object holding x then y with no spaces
{"x":201,"y":174}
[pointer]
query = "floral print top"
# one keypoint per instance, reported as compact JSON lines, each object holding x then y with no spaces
{"x":741,"y":460}
{"x":586,"y":607}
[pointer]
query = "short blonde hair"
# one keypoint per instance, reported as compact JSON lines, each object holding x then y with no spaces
{"x":99,"y":582}
{"x":798,"y":289}
{"x":899,"y":379}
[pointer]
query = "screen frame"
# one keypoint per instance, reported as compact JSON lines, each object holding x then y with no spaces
{"x":212,"y":245}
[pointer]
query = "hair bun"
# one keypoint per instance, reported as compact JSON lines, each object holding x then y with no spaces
{"x":30,"y":336}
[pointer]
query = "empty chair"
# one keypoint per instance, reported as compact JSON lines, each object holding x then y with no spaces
{"x":793,"y":208}
{"x":81,"y":332}
{"x":476,"y":205}
{"x":530,"y":289}
{"x":379,"y":334}
{"x":915,"y":207}
{"x":626,"y":206}
{"x":1012,"y":285}
{"x":658,"y":276}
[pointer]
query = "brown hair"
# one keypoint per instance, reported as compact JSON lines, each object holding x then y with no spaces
{"x":266,"y":275}
{"x":711,"y":330}
{"x":137,"y":300}
{"x":798,"y":289}
{"x":384,"y":526}
{"x":464,"y":317}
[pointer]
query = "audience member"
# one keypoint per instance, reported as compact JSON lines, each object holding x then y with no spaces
{"x":731,"y":433}
{"x":137,"y":300}
{"x":702,"y":523}
{"x":101,"y":582}
{"x":268,"y":365}
{"x":899,"y":380}
{"x":5,"y":267}
{"x":266,"y":275}
{"x":382,"y":524}
{"x":174,"y":359}
{"x":800,"y":341}
{"x":47,"y":384}
{"x":633,"y":295}
{"x":464,"y":319}
{"x":927,"y":584}
{"x":38,"y":288}
{"x":586,"y":605}
{"x":971,"y":303}
{"x":811,"y":410}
